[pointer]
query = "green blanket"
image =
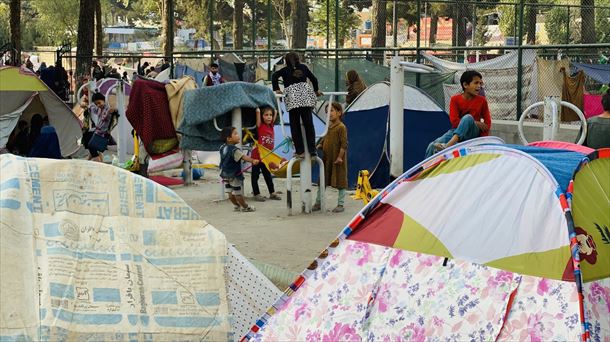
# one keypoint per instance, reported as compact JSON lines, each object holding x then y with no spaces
{"x":202,"y":106}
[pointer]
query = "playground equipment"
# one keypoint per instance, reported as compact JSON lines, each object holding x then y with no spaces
{"x":305,"y":166}
{"x":551,"y":119}
{"x":397,"y":81}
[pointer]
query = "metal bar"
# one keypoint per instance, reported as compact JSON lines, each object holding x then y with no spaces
{"x":394,"y":25}
{"x":253,"y":39}
{"x":327,"y":27}
{"x":269,"y":39}
{"x":418,"y":42}
{"x":170,"y":32}
{"x":211,"y":13}
{"x":520,"y":60}
{"x":337,"y":45}
{"x":568,"y":28}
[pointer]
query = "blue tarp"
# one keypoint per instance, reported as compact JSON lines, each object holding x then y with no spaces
{"x":561,"y":163}
{"x":182,"y":70}
{"x":598,"y":72}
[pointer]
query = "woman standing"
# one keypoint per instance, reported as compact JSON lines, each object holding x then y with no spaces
{"x":300,"y":100}
{"x":355,"y":85}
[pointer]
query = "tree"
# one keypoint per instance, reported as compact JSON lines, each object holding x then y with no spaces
{"x":84,"y":41}
{"x":99,"y":31}
{"x":379,"y":18}
{"x":300,"y":18}
{"x":238,"y":24}
{"x":557,"y":23}
{"x":587,"y":21}
{"x":282,"y":8}
{"x":348,"y":21}
{"x":55,"y":21}
{"x":15,"y":24}
{"x":167,"y":31}
{"x":5,"y":30}
{"x":506,"y":14}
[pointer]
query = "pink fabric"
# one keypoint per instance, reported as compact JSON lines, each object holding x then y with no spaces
{"x":560,"y":145}
{"x":593,"y":105}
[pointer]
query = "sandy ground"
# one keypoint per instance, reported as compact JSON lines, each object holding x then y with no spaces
{"x":269,"y":235}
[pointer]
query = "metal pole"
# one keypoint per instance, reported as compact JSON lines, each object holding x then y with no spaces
{"x":418,"y":45}
{"x":336,"y":45}
{"x":568,"y":28}
{"x":269,"y":39}
{"x":520,"y":59}
{"x":327,"y":28}
{"x":170,"y":32}
{"x":394,"y":25}
{"x":124,"y":136}
{"x":211,"y":12}
{"x":396,"y":117}
{"x":253,"y":9}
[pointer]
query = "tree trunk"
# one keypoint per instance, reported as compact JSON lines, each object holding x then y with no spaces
{"x":300,"y":17}
{"x":167,"y":30}
{"x":587,"y":15}
{"x":99,"y":31}
{"x":433,"y":28}
{"x":531,"y":23}
{"x":238,"y":25}
{"x":84,"y":39}
{"x":15,"y":23}
{"x":378,"y":34}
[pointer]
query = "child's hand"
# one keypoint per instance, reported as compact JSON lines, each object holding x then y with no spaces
{"x":338,"y":161}
{"x":318,"y":146}
{"x":319,"y":93}
{"x":255,"y":162}
{"x":278,"y":92}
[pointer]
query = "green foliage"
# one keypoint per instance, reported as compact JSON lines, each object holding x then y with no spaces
{"x":5,"y":30}
{"x":507,"y":22}
{"x":348,"y":20}
{"x":55,"y":21}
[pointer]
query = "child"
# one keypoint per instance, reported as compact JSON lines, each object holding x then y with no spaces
{"x":598,"y":132}
{"x":230,"y":168}
{"x":97,"y":126}
{"x":266,"y":139}
{"x":468,"y":113}
{"x":213,"y":77}
{"x":334,"y":148}
{"x":300,"y":100}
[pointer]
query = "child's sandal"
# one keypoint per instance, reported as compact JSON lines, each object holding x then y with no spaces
{"x":236,"y":208}
{"x":275,"y":197}
{"x":248,"y":209}
{"x":339,"y":209}
{"x":316,"y":207}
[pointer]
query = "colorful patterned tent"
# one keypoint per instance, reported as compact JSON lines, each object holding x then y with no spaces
{"x":480,"y":242}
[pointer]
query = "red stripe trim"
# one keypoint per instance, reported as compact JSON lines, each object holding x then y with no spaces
{"x":603,"y":153}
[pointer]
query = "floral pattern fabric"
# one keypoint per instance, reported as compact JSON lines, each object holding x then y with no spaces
{"x":597,"y":309}
{"x":363,"y":291}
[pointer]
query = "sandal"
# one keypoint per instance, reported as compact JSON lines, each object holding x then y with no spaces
{"x":259,"y":198}
{"x":339,"y":209}
{"x":236,"y":208}
{"x":316,"y":207}
{"x":440,"y":146}
{"x":248,"y":209}
{"x":274,"y":197}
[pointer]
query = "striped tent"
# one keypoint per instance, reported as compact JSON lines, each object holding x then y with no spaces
{"x":479,"y":242}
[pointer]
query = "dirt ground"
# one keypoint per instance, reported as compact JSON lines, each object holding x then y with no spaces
{"x":269,"y":235}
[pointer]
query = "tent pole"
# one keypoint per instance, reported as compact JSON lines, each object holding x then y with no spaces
{"x":396,"y":117}
{"x":123,"y":134}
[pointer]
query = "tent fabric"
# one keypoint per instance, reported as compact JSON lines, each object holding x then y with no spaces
{"x":561,"y":145}
{"x":550,"y":77}
{"x":181,"y":70}
{"x":175,"y":94}
{"x":508,"y":222}
{"x":17,"y":87}
{"x":598,"y":72}
{"x":593,"y":105}
{"x":147,"y":266}
{"x":202,"y":106}
{"x":368,"y":116}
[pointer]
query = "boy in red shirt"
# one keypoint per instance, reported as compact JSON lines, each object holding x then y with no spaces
{"x":468,"y":113}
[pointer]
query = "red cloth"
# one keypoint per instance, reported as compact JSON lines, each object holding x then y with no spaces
{"x":265,"y":138}
{"x":148,"y":112}
{"x":477,"y":107}
{"x":593,"y":105}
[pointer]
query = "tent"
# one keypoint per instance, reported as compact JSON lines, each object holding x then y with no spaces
{"x":22,"y":95}
{"x":479,"y":242}
{"x":367,"y":121}
{"x":91,"y":252}
{"x":287,"y":153}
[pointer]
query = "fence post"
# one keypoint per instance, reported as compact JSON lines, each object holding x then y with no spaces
{"x":253,"y":9}
{"x":336,"y":45}
{"x":327,"y":30}
{"x":395,"y":25}
{"x":520,"y":59}
{"x":568,"y":28}
{"x":211,"y":12}
{"x":418,"y":43}
{"x":269,"y":39}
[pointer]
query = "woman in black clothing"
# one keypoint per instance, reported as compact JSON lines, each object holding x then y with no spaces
{"x":300,"y":100}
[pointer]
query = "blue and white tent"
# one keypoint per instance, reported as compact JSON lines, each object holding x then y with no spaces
{"x":368,"y":130}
